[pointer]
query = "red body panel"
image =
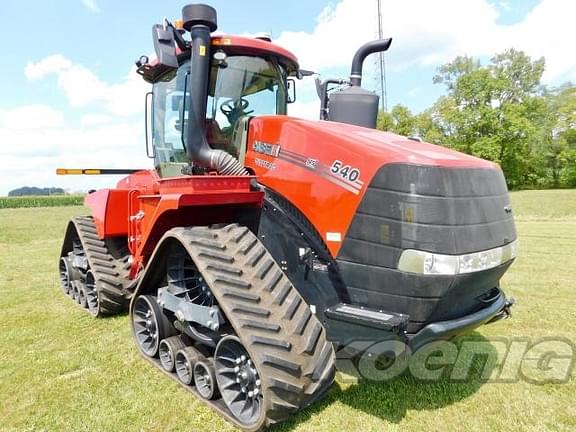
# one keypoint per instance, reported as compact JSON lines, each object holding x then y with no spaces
{"x":104,"y":202}
{"x":294,"y":157}
{"x":144,"y":207}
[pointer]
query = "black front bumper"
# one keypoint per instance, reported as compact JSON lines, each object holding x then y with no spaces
{"x":444,"y":330}
{"x":347,"y":324}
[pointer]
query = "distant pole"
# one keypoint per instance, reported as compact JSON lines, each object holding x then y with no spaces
{"x":382,"y":62}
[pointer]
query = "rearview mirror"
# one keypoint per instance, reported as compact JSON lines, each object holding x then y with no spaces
{"x":164,"y":46}
{"x":291,"y":90}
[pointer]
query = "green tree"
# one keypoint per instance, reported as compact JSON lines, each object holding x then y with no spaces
{"x":400,"y":120}
{"x":561,"y":153}
{"x":493,"y":111}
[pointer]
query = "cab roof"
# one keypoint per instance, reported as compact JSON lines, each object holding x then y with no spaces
{"x":232,"y":45}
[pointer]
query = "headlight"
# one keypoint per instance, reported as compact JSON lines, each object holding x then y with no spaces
{"x":428,"y":263}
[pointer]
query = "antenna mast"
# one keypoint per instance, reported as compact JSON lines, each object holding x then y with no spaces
{"x":381,"y":62}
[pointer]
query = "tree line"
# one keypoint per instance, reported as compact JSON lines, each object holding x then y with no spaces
{"x":501,"y":112}
{"x":35,"y":191}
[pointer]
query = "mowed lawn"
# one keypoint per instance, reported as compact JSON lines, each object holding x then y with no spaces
{"x":62,"y":370}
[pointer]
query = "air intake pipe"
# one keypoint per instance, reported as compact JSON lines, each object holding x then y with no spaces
{"x":200,"y":20}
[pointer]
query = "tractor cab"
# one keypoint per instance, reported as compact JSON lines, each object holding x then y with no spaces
{"x":247,"y":77}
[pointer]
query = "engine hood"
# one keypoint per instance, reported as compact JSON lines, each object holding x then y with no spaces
{"x":390,"y":147}
{"x":325,"y":168}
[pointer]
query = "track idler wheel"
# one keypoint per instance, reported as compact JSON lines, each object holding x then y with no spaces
{"x":150,"y":325}
{"x":238,"y":380}
{"x":167,"y":352}
{"x":205,"y":379}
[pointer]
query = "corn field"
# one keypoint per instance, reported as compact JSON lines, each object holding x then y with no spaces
{"x":41,"y":201}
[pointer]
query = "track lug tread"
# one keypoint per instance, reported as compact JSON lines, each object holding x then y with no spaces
{"x":241,"y":295}
{"x":282,"y":293}
{"x":261,"y":340}
{"x":211,"y":244}
{"x":293,"y":307}
{"x":222,"y":268}
{"x":303,"y":321}
{"x":233,"y":282}
{"x":256,"y":256}
{"x":259,"y":325}
{"x":217,"y":256}
{"x":239,"y":234}
{"x":313,"y":338}
{"x":265,"y":268}
{"x":250,"y":310}
{"x":285,"y":385}
{"x":274,"y":280}
{"x":248,"y":245}
{"x":282,"y":364}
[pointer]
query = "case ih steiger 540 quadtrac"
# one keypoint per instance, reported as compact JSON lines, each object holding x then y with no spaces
{"x":261,"y":243}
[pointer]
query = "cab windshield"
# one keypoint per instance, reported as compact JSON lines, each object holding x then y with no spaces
{"x":239,"y":87}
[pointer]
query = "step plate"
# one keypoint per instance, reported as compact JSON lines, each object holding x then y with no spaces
{"x":364,"y":316}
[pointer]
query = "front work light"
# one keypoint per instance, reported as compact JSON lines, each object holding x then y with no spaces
{"x":428,"y":263}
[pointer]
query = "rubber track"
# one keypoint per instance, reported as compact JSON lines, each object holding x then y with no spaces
{"x":110,"y":274}
{"x":284,"y":339}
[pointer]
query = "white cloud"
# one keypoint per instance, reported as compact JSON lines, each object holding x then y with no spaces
{"x":430,"y":33}
{"x":30,"y":117}
{"x":91,"y":4}
{"x":82,"y":87}
{"x":30,"y":156}
{"x":37,"y":139}
{"x":95,"y":119}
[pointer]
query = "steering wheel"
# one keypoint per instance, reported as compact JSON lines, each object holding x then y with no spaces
{"x":233,"y":109}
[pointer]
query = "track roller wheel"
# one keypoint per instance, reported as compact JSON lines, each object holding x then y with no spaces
{"x":65,"y":275}
{"x":185,"y":360}
{"x":167,"y":352}
{"x":82,"y":295}
{"x":92,"y":302}
{"x":238,"y":380}
{"x":150,"y":325}
{"x":205,"y":380}
{"x":74,"y":291}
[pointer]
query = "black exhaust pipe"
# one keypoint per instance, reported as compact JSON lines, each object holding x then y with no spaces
{"x":200,"y":20}
{"x":355,"y":105}
{"x":363,"y":52}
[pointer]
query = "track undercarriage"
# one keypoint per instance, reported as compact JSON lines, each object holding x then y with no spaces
{"x":215,"y":312}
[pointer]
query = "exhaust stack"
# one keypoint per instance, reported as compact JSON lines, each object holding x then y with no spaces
{"x":200,"y":20}
{"x":355,"y":105}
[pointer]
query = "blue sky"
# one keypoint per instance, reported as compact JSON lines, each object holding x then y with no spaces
{"x":69,"y":96}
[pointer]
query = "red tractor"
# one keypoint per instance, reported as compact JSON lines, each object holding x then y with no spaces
{"x":260,"y":243}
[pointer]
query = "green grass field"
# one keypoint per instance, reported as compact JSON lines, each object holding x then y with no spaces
{"x":61,"y":370}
